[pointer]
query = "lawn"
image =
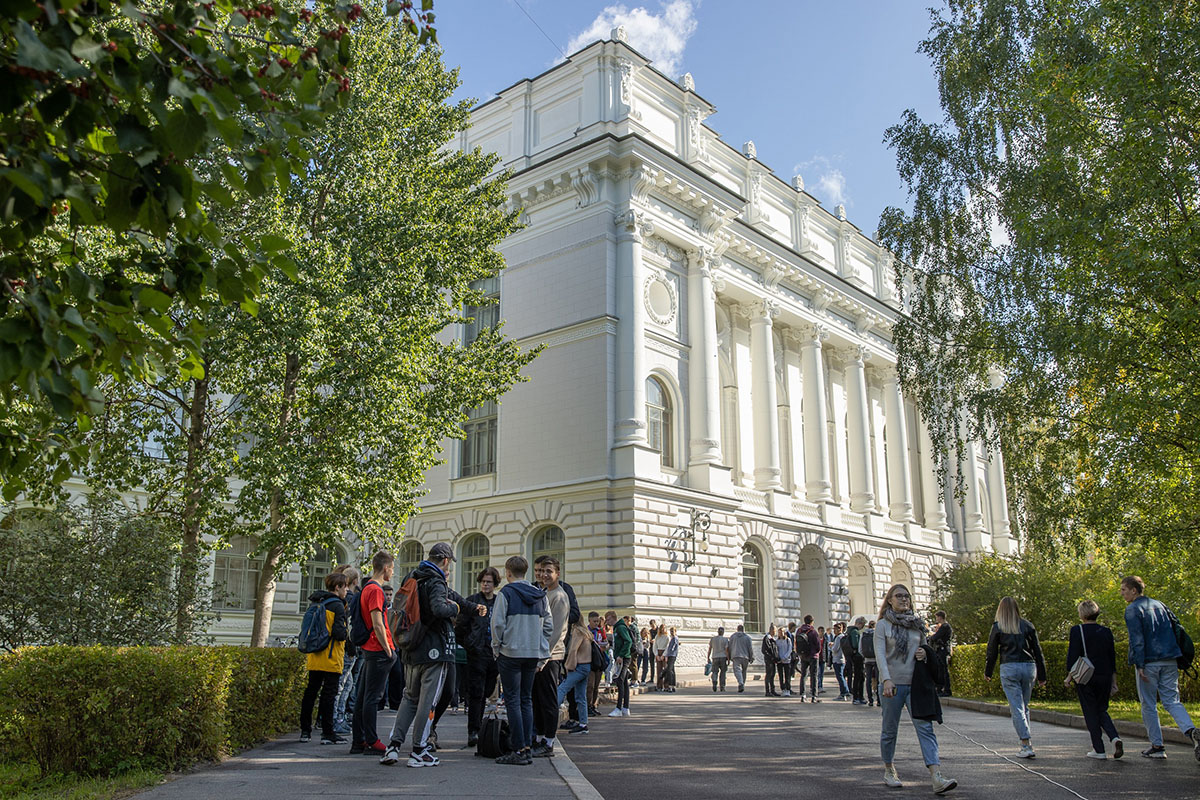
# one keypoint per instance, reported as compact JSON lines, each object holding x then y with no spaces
{"x":23,"y":780}
{"x":1119,"y":709}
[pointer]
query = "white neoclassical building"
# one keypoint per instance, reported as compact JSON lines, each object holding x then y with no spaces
{"x":714,"y":432}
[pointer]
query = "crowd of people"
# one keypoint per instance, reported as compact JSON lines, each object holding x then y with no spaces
{"x":423,"y":648}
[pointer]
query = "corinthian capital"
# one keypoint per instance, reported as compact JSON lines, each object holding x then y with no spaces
{"x":810,"y":333}
{"x":633,"y":225}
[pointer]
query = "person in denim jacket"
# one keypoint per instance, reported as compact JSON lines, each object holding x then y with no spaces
{"x":1153,"y":650}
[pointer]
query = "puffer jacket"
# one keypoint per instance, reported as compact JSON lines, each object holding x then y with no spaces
{"x":330,"y":659}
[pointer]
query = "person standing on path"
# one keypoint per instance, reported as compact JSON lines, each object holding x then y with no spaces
{"x":623,"y":635}
{"x":870,"y":664}
{"x":377,"y":655}
{"x":741,"y":655}
{"x":718,"y":656}
{"x":578,"y":665}
{"x":941,"y":641}
{"x":672,"y":656}
{"x":770,"y":654}
{"x":839,"y":661}
{"x":341,"y":725}
{"x":898,"y":636}
{"x":810,"y":654}
{"x":1014,"y":641}
{"x":596,"y":629}
{"x":826,"y":656}
{"x":1095,"y":642}
{"x":653,"y":663}
{"x":855,"y":666}
{"x":325,"y":666}
{"x":549,"y":673}
{"x":783,"y":646}
{"x":661,"y":641}
{"x":1153,"y":650}
{"x":474,"y":633}
{"x":521,"y":628}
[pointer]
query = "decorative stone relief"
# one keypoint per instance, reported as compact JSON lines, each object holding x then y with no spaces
{"x":798,"y":183}
{"x":643,"y":178}
{"x":689,"y":83}
{"x":749,"y":150}
{"x":697,"y":141}
{"x":661,"y":298}
{"x":584,"y":182}
{"x":633,"y":224}
{"x":667,"y":250}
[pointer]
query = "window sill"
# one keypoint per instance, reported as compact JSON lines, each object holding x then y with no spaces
{"x":474,"y":486}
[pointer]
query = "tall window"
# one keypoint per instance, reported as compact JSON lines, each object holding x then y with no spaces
{"x":658,"y":420}
{"x":486,"y":315}
{"x":550,"y":541}
{"x":312,"y":574}
{"x":474,"y":557}
{"x":235,"y":575}
{"x":411,"y":554}
{"x":752,"y":588}
{"x":479,"y":446}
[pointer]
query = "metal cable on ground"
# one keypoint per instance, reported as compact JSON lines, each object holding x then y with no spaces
{"x":1016,"y":763}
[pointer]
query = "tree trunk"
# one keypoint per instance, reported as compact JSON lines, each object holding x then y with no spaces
{"x":264,"y":594}
{"x":190,"y":522}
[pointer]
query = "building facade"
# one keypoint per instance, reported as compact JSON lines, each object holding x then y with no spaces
{"x":714,"y":432}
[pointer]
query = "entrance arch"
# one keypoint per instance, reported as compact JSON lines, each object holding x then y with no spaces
{"x":813,"y":582}
{"x":862,"y":587}
{"x":902,"y":573}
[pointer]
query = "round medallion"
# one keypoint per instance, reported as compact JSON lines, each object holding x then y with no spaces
{"x":661,"y":302}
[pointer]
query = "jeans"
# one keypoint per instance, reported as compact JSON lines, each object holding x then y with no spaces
{"x":1016,"y":678}
{"x":720,"y":666}
{"x":371,"y":682}
{"x":577,"y":680}
{"x":645,"y":663}
{"x":671,"y":682}
{"x":324,"y":684}
{"x":516,"y":679}
{"x":481,"y":682}
{"x":821,"y":675}
{"x":1162,"y":680}
{"x":871,"y":680}
{"x":345,"y":690}
{"x":808,"y":671}
{"x":892,"y":706}
{"x":843,"y":690}
{"x":621,"y":681}
{"x":740,"y":665}
{"x":768,"y":681}
{"x":1093,"y":701}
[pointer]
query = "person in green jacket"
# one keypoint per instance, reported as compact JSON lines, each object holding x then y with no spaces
{"x":623,"y":636}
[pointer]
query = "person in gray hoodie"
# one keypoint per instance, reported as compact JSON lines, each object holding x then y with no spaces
{"x":521,"y":630}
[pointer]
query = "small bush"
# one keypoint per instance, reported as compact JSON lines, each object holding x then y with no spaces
{"x":101,"y":710}
{"x":967,"y":680}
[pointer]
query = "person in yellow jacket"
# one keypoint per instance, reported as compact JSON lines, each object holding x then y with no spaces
{"x":325,"y":665}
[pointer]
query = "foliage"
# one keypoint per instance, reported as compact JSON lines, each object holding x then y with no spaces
{"x":1053,"y":236}
{"x":145,"y":708}
{"x":90,"y":573}
{"x":967,"y":679}
{"x":25,"y":781}
{"x":109,"y":113}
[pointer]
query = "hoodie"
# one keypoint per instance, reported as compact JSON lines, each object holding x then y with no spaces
{"x":330,"y":659}
{"x":521,"y":622}
{"x":437,"y":611}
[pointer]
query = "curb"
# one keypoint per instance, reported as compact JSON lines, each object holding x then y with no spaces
{"x":580,"y":786}
{"x":1126,"y":728}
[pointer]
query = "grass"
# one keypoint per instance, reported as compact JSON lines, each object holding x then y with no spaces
{"x":1128,"y":710}
{"x":23,"y":780}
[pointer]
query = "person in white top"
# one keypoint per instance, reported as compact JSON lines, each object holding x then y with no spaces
{"x":661,"y":641}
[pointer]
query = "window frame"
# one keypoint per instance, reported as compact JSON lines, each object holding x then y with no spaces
{"x":559,"y":552}
{"x":249,"y":570}
{"x":471,"y":563}
{"x":665,"y":423}
{"x":755,"y":623}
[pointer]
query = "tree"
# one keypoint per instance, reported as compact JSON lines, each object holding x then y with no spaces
{"x":106,"y":112}
{"x":1054,"y":237}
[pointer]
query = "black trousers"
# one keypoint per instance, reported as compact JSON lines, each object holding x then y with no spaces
{"x":326,"y":685}
{"x":943,"y":658}
{"x":784,"y":670}
{"x":856,"y":681}
{"x":1093,"y":699}
{"x":671,"y":682}
{"x":370,"y":688}
{"x":770,"y":679}
{"x":481,"y":682}
{"x":395,"y":686}
{"x":545,"y":699}
{"x":621,"y":677}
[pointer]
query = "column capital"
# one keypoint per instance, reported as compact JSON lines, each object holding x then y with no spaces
{"x":632,"y":225}
{"x":764,"y":310}
{"x":809,"y":333}
{"x":856,"y":354}
{"x":886,"y":373}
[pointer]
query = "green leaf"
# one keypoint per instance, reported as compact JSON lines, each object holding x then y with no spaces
{"x":25,"y":183}
{"x":271,"y":242}
{"x":87,"y":48}
{"x":152,"y":298}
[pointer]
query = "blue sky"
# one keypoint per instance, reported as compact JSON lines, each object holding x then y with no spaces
{"x":815,"y":83}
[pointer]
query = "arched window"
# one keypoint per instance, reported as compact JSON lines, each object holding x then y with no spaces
{"x":551,"y":541}
{"x":659,"y":420}
{"x":235,"y":575}
{"x":473,"y":557}
{"x":752,"y":589}
{"x":411,"y":554}
{"x":313,"y":572}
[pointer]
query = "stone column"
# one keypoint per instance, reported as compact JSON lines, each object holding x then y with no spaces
{"x":972,"y":507}
{"x":818,"y":488}
{"x":935,"y":512}
{"x":704,"y":378}
{"x":631,"y":327}
{"x":795,"y":392}
{"x":1002,"y":540}
{"x":896,"y":426}
{"x":763,"y":394}
{"x":862,"y":490}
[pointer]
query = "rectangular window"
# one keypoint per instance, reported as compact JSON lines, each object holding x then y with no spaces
{"x":479,"y":446}
{"x":654,"y":428}
{"x":486,"y":315}
{"x":235,"y":576}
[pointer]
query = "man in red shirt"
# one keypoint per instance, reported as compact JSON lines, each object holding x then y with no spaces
{"x":377,"y":654}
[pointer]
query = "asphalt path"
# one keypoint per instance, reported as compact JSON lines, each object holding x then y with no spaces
{"x":696,"y":745}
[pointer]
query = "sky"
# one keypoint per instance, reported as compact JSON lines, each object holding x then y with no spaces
{"x":814,"y":83}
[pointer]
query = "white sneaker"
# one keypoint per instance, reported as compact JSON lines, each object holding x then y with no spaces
{"x":1026,"y":751}
{"x":425,"y":758}
{"x":390,"y":756}
{"x":616,"y":712}
{"x":1097,"y":756}
{"x":890,"y":778}
{"x":624,"y":712}
{"x":942,"y":784}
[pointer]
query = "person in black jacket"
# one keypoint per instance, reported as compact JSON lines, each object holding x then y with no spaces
{"x":475,"y":635}
{"x":1096,"y":642}
{"x":1015,"y":642}
{"x":770,"y":653}
{"x":940,"y":642}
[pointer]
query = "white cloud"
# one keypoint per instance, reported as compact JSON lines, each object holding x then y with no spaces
{"x":830,"y":184}
{"x":660,"y":37}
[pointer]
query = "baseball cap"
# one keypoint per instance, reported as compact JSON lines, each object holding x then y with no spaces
{"x":441,"y":550}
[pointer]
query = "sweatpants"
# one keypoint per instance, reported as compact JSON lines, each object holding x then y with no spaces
{"x":545,"y":699}
{"x":422,"y":689}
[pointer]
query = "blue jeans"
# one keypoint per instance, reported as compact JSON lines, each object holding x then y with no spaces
{"x":1016,"y":679}
{"x":1162,"y":681}
{"x":516,"y":679}
{"x":577,"y":679}
{"x":843,"y":689}
{"x":892,"y":706}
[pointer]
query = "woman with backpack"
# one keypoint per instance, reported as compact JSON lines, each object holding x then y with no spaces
{"x":323,"y":638}
{"x":578,"y":668}
{"x":1093,"y":642}
{"x":1014,"y":641}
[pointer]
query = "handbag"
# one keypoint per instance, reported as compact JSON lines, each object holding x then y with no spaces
{"x":708,"y":669}
{"x":1083,"y":668}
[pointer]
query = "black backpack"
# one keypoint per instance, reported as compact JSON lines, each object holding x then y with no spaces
{"x":1187,"y":647}
{"x":359,"y":632}
{"x":866,"y":644}
{"x":493,"y":738}
{"x":599,"y":658}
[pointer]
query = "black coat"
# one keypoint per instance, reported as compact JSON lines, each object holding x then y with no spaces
{"x":923,"y":695}
{"x":473,"y":631}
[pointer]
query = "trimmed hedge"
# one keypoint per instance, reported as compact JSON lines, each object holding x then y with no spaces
{"x":969,"y":660}
{"x":103,"y":710}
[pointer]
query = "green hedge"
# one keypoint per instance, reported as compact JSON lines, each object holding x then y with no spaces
{"x":967,"y":664}
{"x":103,"y":710}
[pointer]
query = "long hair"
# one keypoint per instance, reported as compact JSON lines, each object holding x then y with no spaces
{"x":1008,"y":615}
{"x":887,"y":599}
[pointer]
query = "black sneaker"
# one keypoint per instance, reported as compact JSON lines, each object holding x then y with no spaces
{"x":335,"y":739}
{"x":569,"y":725}
{"x":1157,"y":751}
{"x":542,"y":750}
{"x":593,"y":711}
{"x":580,"y":729}
{"x":472,"y":739}
{"x":1118,"y":748}
{"x":1194,"y":734}
{"x":514,"y":759}
{"x":357,"y":749}
{"x":305,"y":737}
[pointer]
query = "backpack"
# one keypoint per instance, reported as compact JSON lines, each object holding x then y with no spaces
{"x":1187,"y":647}
{"x":407,"y":628}
{"x":314,"y":632}
{"x":599,"y":658}
{"x":866,"y":645}
{"x":359,"y":632}
{"x":493,"y":738}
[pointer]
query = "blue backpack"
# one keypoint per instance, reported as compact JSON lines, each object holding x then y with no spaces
{"x":314,"y":632}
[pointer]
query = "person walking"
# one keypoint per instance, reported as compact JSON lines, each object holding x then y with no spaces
{"x":741,"y":655}
{"x":770,"y":654}
{"x":645,"y":655}
{"x":661,"y":640}
{"x":1014,"y":641}
{"x":1093,"y":641}
{"x":839,"y":661}
{"x":718,"y":656}
{"x":672,"y":656}
{"x":377,"y":654}
{"x":783,"y":646}
{"x":898,"y":638}
{"x":578,"y":664}
{"x":474,"y":633}
{"x":870,"y":665}
{"x":810,"y":653}
{"x":623,"y":635}
{"x":1153,"y":650}
{"x":325,"y":666}
{"x":521,"y":628}
{"x":942,"y":644}
{"x":855,"y":665}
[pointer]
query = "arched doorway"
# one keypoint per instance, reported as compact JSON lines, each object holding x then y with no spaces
{"x":812,"y":574}
{"x":753,"y":584}
{"x":862,"y":587}
{"x":902,"y":573}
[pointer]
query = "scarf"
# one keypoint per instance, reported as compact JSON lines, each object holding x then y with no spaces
{"x":909,"y":622}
